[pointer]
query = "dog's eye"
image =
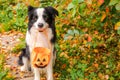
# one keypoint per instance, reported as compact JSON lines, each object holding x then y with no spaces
{"x":44,"y":60}
{"x":35,"y":17}
{"x":45,"y":16}
{"x":38,"y":59}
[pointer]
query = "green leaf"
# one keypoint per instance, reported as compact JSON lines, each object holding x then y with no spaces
{"x":75,"y":2}
{"x":70,"y":6}
{"x":2,"y":75}
{"x":117,"y":6}
{"x":70,"y":32}
{"x":113,"y":2}
{"x":81,"y":8}
{"x":112,"y":78}
{"x":94,"y":45}
{"x":80,"y":1}
{"x":76,"y":31}
{"x":118,"y":31}
{"x":66,"y":36}
{"x":74,"y":12}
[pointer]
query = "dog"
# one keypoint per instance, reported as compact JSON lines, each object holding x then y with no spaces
{"x":40,"y":35}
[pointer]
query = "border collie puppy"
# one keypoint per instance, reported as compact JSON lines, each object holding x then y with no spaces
{"x":41,"y":23}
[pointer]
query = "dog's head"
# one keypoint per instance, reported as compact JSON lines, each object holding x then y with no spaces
{"x":40,"y":57}
{"x":41,"y":18}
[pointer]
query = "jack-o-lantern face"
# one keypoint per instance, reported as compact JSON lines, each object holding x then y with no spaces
{"x":40,"y":57}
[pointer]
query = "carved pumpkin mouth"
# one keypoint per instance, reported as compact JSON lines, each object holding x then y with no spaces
{"x":40,"y":66}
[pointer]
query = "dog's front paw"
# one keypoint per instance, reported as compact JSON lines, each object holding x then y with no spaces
{"x":23,"y":68}
{"x":50,"y":78}
{"x":37,"y":78}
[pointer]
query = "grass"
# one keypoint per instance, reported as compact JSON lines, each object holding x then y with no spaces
{"x":4,"y":75}
{"x":19,"y":46}
{"x":87,"y":36}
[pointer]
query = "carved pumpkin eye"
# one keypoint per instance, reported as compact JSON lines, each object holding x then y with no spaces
{"x":44,"y":60}
{"x":38,"y":60}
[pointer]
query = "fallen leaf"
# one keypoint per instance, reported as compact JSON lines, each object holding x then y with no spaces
{"x":101,"y":76}
{"x":64,"y":54}
{"x":96,"y":65}
{"x":89,"y":39}
{"x":63,"y":66}
{"x":117,"y":26}
{"x":100,"y":2}
{"x":96,"y":32}
{"x":103,"y":16}
{"x":107,"y":77}
{"x":107,"y":10}
{"x":96,"y":50}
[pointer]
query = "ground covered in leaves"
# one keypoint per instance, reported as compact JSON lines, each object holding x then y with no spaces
{"x":88,"y":38}
{"x":9,"y":41}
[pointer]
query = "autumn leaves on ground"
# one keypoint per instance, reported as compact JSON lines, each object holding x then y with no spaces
{"x":88,"y":39}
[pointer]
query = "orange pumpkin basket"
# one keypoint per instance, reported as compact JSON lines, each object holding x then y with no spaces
{"x":40,"y":57}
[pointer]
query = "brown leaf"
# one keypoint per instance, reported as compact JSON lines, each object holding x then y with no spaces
{"x":63,"y":66}
{"x":96,"y":65}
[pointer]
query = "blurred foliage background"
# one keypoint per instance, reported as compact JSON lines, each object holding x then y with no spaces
{"x":88,"y":35}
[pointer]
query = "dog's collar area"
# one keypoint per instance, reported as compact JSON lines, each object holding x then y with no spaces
{"x":41,"y":31}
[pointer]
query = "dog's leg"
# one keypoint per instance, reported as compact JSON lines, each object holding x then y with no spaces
{"x":25,"y":64}
{"x":54,"y":54}
{"x":54,"y":58}
{"x":36,"y":74}
{"x":50,"y":71}
{"x":23,"y":60}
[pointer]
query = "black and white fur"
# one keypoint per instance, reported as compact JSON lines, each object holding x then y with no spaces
{"x":40,"y":19}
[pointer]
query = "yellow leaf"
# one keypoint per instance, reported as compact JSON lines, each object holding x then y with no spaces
{"x":89,"y":2}
{"x":94,"y":20}
{"x":96,"y":50}
{"x":88,"y":46}
{"x":101,"y":76}
{"x":84,"y":42}
{"x":103,"y":16}
{"x":117,"y":26}
{"x":64,"y":54}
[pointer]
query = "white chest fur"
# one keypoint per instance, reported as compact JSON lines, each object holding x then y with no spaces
{"x":34,"y":38}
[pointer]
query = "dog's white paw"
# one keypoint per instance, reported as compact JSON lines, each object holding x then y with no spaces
{"x":23,"y":68}
{"x":50,"y":78}
{"x":36,"y":79}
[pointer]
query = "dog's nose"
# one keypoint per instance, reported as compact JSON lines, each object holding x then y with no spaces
{"x":40,"y":25}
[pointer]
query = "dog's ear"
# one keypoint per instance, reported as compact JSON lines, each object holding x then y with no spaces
{"x":30,"y":8}
{"x":30,"y":13}
{"x":52,"y":11}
